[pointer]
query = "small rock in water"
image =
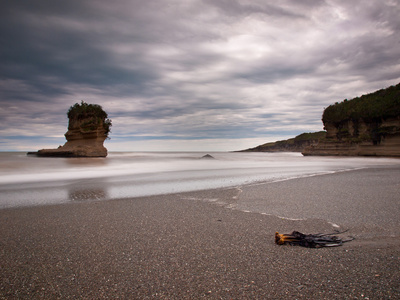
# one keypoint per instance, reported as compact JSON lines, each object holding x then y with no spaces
{"x":208,"y":156}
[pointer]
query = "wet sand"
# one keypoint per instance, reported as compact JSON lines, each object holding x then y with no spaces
{"x":191,"y":245}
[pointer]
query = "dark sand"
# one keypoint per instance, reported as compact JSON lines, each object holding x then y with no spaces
{"x":171,"y":247}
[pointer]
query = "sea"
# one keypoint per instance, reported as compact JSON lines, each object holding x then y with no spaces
{"x":27,"y":180}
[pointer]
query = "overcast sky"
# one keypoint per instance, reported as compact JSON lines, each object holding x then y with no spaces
{"x":189,"y":74}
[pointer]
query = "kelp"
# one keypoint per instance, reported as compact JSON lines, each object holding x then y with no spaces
{"x":318,"y":240}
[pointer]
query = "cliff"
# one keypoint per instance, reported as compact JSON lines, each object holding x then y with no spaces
{"x":296,"y":144}
{"x":88,"y":127}
{"x":364,"y":126}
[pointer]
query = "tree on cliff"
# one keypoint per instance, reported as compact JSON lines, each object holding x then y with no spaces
{"x":381,"y":104}
{"x":94,"y":113}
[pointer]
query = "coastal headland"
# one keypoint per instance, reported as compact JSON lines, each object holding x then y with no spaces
{"x":296,"y":144}
{"x":205,"y":245}
{"x":364,"y":126}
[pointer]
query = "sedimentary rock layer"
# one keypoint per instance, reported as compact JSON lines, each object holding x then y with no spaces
{"x":360,"y":138}
{"x":88,"y":128}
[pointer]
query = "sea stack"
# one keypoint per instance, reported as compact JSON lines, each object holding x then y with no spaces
{"x":88,"y":128}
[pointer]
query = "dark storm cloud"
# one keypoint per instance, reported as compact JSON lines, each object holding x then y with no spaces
{"x":50,"y":42}
{"x":191,"y":69}
{"x":235,"y":8}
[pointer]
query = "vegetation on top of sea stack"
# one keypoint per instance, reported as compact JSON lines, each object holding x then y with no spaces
{"x":382,"y":104}
{"x":94,"y":113}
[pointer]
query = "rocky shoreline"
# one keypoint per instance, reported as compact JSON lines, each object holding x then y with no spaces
{"x":389,"y":147}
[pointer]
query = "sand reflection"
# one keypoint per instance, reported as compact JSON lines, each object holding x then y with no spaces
{"x":87,"y":194}
{"x":87,"y":161}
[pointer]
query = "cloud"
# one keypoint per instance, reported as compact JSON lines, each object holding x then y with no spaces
{"x":190,"y":70}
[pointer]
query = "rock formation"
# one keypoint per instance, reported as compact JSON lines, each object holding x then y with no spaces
{"x":88,"y":128}
{"x":365,"y":126}
{"x":207,"y":156}
{"x":360,"y":138}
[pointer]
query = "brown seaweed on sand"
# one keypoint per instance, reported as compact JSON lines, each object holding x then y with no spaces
{"x":310,"y":240}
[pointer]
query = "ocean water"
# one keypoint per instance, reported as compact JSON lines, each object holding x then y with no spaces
{"x":29,"y":180}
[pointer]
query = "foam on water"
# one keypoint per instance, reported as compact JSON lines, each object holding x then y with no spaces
{"x":29,"y":180}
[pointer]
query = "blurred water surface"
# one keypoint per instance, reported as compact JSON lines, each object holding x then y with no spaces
{"x":29,"y":180}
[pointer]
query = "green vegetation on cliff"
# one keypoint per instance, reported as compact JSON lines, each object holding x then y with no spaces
{"x":381,"y":104}
{"x":296,"y":144}
{"x":307,"y":136}
{"x":93,"y":113}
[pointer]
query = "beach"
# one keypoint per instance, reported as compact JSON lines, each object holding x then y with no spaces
{"x":206,"y":244}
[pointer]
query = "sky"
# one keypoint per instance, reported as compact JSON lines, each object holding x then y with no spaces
{"x":189,"y":75}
